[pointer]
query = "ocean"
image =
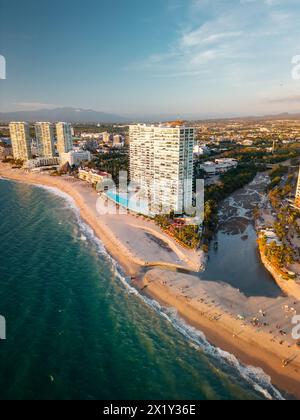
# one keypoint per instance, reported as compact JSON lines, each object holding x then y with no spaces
{"x":76,"y":329}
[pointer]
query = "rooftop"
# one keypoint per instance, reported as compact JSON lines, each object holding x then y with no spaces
{"x":94,"y":171}
{"x":175,"y":124}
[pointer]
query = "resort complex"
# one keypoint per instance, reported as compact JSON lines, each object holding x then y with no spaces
{"x":93,"y":177}
{"x":161,"y":164}
{"x":75,"y":157}
{"x":54,"y":145}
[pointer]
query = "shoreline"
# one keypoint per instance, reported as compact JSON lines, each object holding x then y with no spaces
{"x":223,"y":331}
{"x":115,"y":231}
{"x":130,"y":266}
{"x":249,"y":353}
{"x":289,"y":287}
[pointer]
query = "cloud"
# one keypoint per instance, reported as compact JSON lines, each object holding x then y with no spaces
{"x":284,"y":100}
{"x":33,"y":106}
{"x":202,"y":37}
{"x":242,"y":34}
{"x":267,"y":2}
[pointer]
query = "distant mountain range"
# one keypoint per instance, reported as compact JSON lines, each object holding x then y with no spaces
{"x":62,"y":114}
{"x":282,"y":116}
{"x":86,"y":116}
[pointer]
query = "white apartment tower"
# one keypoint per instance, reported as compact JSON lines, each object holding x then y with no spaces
{"x":20,"y":139}
{"x":161,"y":163}
{"x":298,"y":192}
{"x":45,"y":139}
{"x":64,"y":133}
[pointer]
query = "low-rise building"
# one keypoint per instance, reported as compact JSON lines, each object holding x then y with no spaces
{"x":270,"y":236}
{"x":106,"y":137}
{"x":219,"y":166}
{"x":93,"y":176}
{"x":247,"y":142}
{"x":118,"y":141}
{"x":201,"y":150}
{"x":94,"y":136}
{"x":75,"y":157}
{"x":209,"y":168}
{"x":42,"y":163}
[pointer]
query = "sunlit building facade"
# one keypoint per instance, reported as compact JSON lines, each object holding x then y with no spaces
{"x":298,"y":192}
{"x":161,"y":163}
{"x":44,"y":132}
{"x":20,"y":140}
{"x":64,"y":133}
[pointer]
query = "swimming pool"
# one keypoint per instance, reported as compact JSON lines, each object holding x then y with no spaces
{"x":129,"y":201}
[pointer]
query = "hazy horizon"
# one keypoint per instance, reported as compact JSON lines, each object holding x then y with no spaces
{"x":89,"y":116}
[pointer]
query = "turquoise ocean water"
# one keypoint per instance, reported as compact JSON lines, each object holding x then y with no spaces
{"x":75,"y":329}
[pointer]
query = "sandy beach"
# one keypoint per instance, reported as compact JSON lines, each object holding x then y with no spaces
{"x":290,"y":288}
{"x":224,"y":314}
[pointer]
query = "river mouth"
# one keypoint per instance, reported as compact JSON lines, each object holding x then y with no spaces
{"x":233,"y":257}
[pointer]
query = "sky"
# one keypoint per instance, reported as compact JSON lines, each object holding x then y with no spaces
{"x":138,"y":57}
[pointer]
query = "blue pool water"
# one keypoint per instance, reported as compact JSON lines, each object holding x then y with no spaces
{"x":129,"y":201}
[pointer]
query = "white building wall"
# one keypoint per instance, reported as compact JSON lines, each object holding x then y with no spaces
{"x":75,"y":157}
{"x":20,"y":139}
{"x":45,"y":139}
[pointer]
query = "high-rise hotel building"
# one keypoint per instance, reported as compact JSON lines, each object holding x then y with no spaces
{"x":161,"y":163}
{"x":64,"y":134}
{"x":45,"y":139}
{"x":298,"y":192}
{"x":20,"y":139}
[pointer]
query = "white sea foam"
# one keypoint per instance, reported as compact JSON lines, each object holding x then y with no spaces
{"x":61,"y":194}
{"x":256,"y":378}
